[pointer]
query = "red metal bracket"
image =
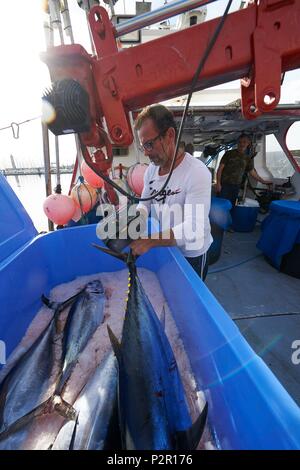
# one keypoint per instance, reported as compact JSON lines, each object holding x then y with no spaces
{"x":109,"y":93}
{"x":261,"y":91}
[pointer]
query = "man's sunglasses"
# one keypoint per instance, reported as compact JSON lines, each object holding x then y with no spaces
{"x":149,"y":145}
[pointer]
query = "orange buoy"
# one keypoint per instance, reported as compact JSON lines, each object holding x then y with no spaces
{"x":77,"y":214}
{"x":59,"y":208}
{"x":135,"y":177}
{"x":90,"y":176}
{"x":84,"y":196}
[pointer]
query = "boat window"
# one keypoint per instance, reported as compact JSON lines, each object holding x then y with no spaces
{"x":193,"y":20}
{"x":120,"y":151}
{"x":276,"y":160}
{"x":293,"y":141}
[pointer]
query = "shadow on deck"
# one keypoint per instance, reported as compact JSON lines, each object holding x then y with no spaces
{"x":264,"y":303}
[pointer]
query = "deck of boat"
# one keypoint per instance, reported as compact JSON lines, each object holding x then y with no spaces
{"x":264,"y":303}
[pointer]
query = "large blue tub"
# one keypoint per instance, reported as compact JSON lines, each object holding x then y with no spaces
{"x":248,"y":407}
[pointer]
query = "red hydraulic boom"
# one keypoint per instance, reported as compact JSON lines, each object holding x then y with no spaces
{"x":256,"y":44}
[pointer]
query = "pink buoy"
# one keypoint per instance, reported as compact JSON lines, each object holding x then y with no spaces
{"x":59,"y":208}
{"x":84,"y":196}
{"x":135,"y":177}
{"x":90,"y":176}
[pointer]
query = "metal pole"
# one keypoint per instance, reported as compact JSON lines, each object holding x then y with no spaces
{"x":47,"y":166}
{"x":55,"y":18}
{"x":67,"y":21}
{"x":49,"y":37}
{"x":158,"y":15}
{"x":79,"y":153}
{"x":90,"y":33}
{"x":49,"y":34}
{"x":112,"y":8}
{"x":199,"y":110}
{"x":113,"y":173}
{"x":15,"y":168}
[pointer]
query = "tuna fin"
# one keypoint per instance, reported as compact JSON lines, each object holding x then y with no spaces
{"x":72,"y":442}
{"x":115,"y":344}
{"x":128,"y":257}
{"x":121,"y":256}
{"x":48,"y":302}
{"x":189,"y":439}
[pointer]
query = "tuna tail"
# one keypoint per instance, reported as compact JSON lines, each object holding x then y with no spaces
{"x":54,"y":403}
{"x":117,"y":348}
{"x":59,"y":306}
{"x":189,"y":439}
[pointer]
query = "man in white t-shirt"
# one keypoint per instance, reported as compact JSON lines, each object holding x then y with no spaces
{"x":183,"y":207}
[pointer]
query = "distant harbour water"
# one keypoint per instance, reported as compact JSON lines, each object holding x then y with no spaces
{"x":32,"y":194}
{"x":31,"y":191}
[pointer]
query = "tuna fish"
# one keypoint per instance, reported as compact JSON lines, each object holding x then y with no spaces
{"x":152,"y":407}
{"x":85,"y":316}
{"x":96,"y":427}
{"x":29,"y":385}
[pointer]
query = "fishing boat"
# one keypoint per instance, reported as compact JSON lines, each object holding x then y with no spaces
{"x":239,"y":329}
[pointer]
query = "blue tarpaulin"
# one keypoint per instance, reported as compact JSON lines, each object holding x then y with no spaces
{"x":280,"y":230}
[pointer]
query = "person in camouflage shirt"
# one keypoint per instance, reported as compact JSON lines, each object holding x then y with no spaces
{"x":232,"y":167}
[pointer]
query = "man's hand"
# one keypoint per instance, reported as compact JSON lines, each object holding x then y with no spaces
{"x":266,"y":182}
{"x":256,"y":176}
{"x":218,"y":187}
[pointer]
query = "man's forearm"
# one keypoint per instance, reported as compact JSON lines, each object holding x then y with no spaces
{"x":219,"y":175}
{"x":165,"y":238}
{"x":256,"y":176}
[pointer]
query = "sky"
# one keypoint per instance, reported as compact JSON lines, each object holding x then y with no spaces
{"x":23,"y":76}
